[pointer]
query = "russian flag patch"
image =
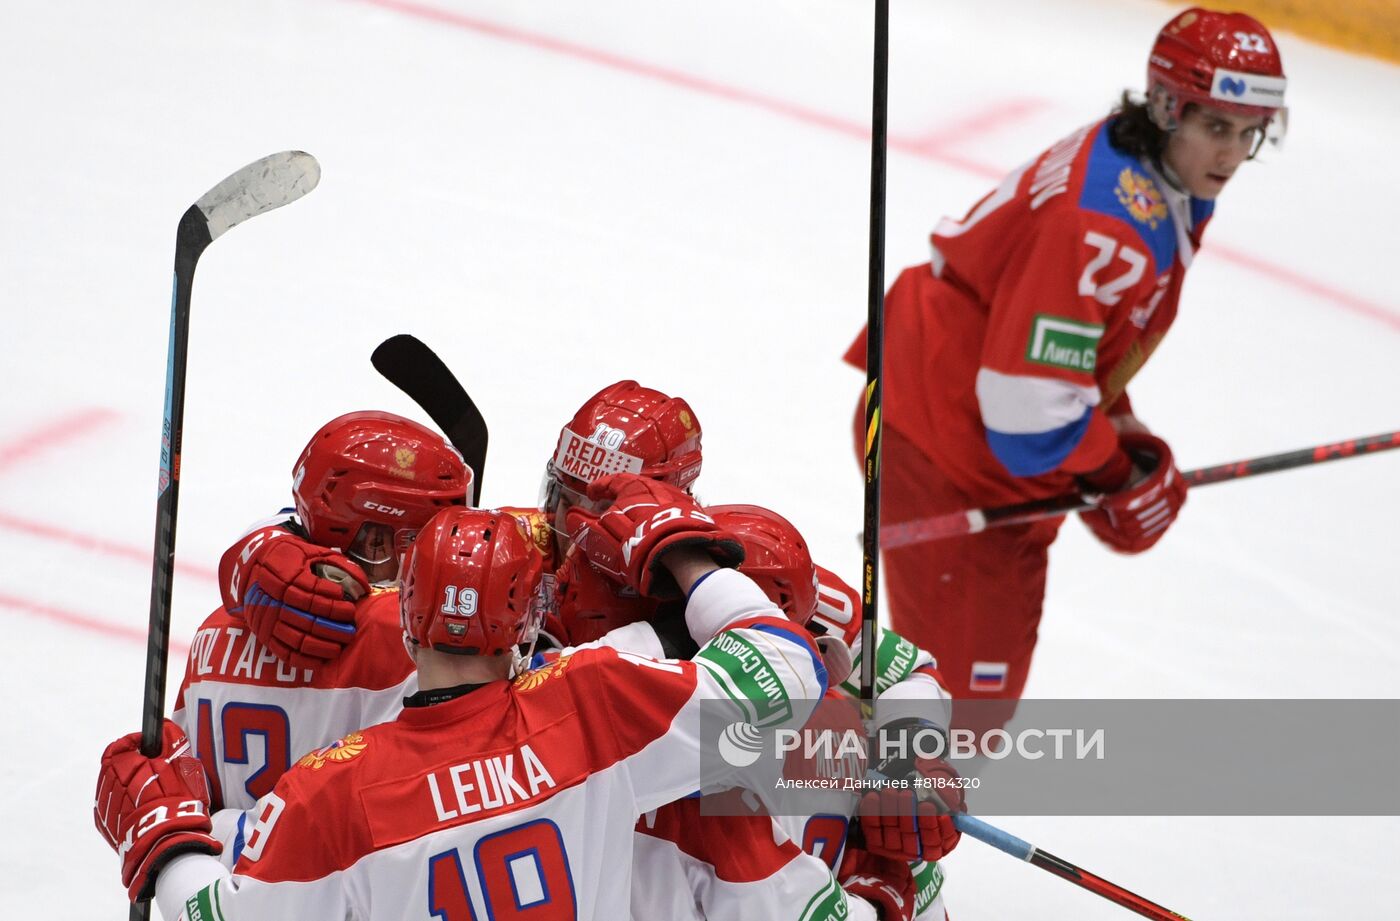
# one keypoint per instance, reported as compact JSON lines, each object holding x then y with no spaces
{"x":988,"y":676}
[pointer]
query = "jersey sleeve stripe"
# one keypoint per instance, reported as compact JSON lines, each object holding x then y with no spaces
{"x":1034,"y":454}
{"x":802,"y":638}
{"x":1022,"y":404}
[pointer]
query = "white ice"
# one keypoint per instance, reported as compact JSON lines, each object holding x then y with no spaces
{"x":558,"y":194}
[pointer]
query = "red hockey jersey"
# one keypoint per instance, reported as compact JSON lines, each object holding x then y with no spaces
{"x":1005,"y":353}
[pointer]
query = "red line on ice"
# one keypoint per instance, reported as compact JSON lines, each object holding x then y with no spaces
{"x":930,"y":147}
{"x":978,"y":122}
{"x":72,"y":619}
{"x":1290,"y":278}
{"x":97,"y":544}
{"x":20,"y":448}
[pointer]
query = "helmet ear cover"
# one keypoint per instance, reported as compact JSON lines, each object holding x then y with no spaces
{"x":472,"y":584}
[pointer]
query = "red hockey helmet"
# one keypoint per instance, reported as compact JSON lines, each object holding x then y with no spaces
{"x":589,"y":604}
{"x":375,"y":467}
{"x":775,"y":556}
{"x":471,"y":584}
{"x":1225,"y":60}
{"x":624,"y":428}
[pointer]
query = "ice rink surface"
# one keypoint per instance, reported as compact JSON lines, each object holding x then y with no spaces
{"x":558,"y":194}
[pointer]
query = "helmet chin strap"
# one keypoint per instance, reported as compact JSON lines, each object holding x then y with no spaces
{"x":520,"y":662}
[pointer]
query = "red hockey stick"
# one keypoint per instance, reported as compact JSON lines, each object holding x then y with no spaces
{"x":1024,"y":850}
{"x":974,"y":520}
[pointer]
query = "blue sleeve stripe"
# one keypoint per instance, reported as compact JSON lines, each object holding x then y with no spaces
{"x":697,"y":583}
{"x":239,"y":840}
{"x":803,"y":640}
{"x":1034,"y":453}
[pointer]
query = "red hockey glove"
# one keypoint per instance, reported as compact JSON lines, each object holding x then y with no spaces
{"x":152,"y":809}
{"x":911,"y":823}
{"x":914,"y":825}
{"x":884,"y":882}
{"x":299,"y":598}
{"x":647,"y":520}
{"x":1131,"y":518}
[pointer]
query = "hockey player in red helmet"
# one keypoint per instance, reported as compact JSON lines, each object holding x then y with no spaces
{"x":434,"y":808}
{"x":1008,"y":356}
{"x":362,"y":486}
{"x":776,"y":557}
{"x":367,"y":481}
{"x":471,"y":587}
{"x":306,"y":645}
{"x":623,"y":428}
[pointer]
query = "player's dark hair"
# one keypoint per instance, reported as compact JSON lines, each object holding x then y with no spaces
{"x":1134,"y":132}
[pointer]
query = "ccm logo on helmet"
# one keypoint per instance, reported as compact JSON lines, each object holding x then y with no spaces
{"x":385,"y":509}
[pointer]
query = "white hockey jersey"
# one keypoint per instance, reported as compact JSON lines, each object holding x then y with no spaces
{"x":682,"y":870}
{"x":249,"y":716}
{"x":516,"y":797}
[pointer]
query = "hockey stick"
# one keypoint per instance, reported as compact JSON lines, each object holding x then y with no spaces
{"x":412,"y":367}
{"x":1028,"y":852}
{"x":973,"y":521}
{"x":874,"y":364}
{"x":269,"y":183}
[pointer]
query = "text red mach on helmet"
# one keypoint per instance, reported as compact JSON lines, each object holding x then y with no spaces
{"x":471,"y":584}
{"x":1225,"y":60}
{"x":624,"y":428}
{"x":775,"y":557}
{"x":375,"y":467}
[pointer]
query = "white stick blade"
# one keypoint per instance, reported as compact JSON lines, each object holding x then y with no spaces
{"x":263,"y":185}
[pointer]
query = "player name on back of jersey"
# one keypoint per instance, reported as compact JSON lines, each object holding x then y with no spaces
{"x":488,"y":783}
{"x":232,"y":654}
{"x":399,"y":809}
{"x":1052,"y":176}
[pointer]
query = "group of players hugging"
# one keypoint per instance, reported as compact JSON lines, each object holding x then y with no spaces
{"x":368,"y":727}
{"x":410,"y":708}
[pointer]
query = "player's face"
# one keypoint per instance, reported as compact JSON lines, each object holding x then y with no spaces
{"x":375,"y":549}
{"x":1209,"y":146}
{"x":560,"y":494}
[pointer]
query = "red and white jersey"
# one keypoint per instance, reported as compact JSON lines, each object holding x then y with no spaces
{"x":250,"y":716}
{"x":903,"y":672}
{"x":687,"y":853}
{"x":691,"y":866}
{"x":1004,"y":354}
{"x":514,"y":796}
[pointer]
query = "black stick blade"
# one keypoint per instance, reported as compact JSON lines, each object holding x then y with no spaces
{"x":415,"y":369}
